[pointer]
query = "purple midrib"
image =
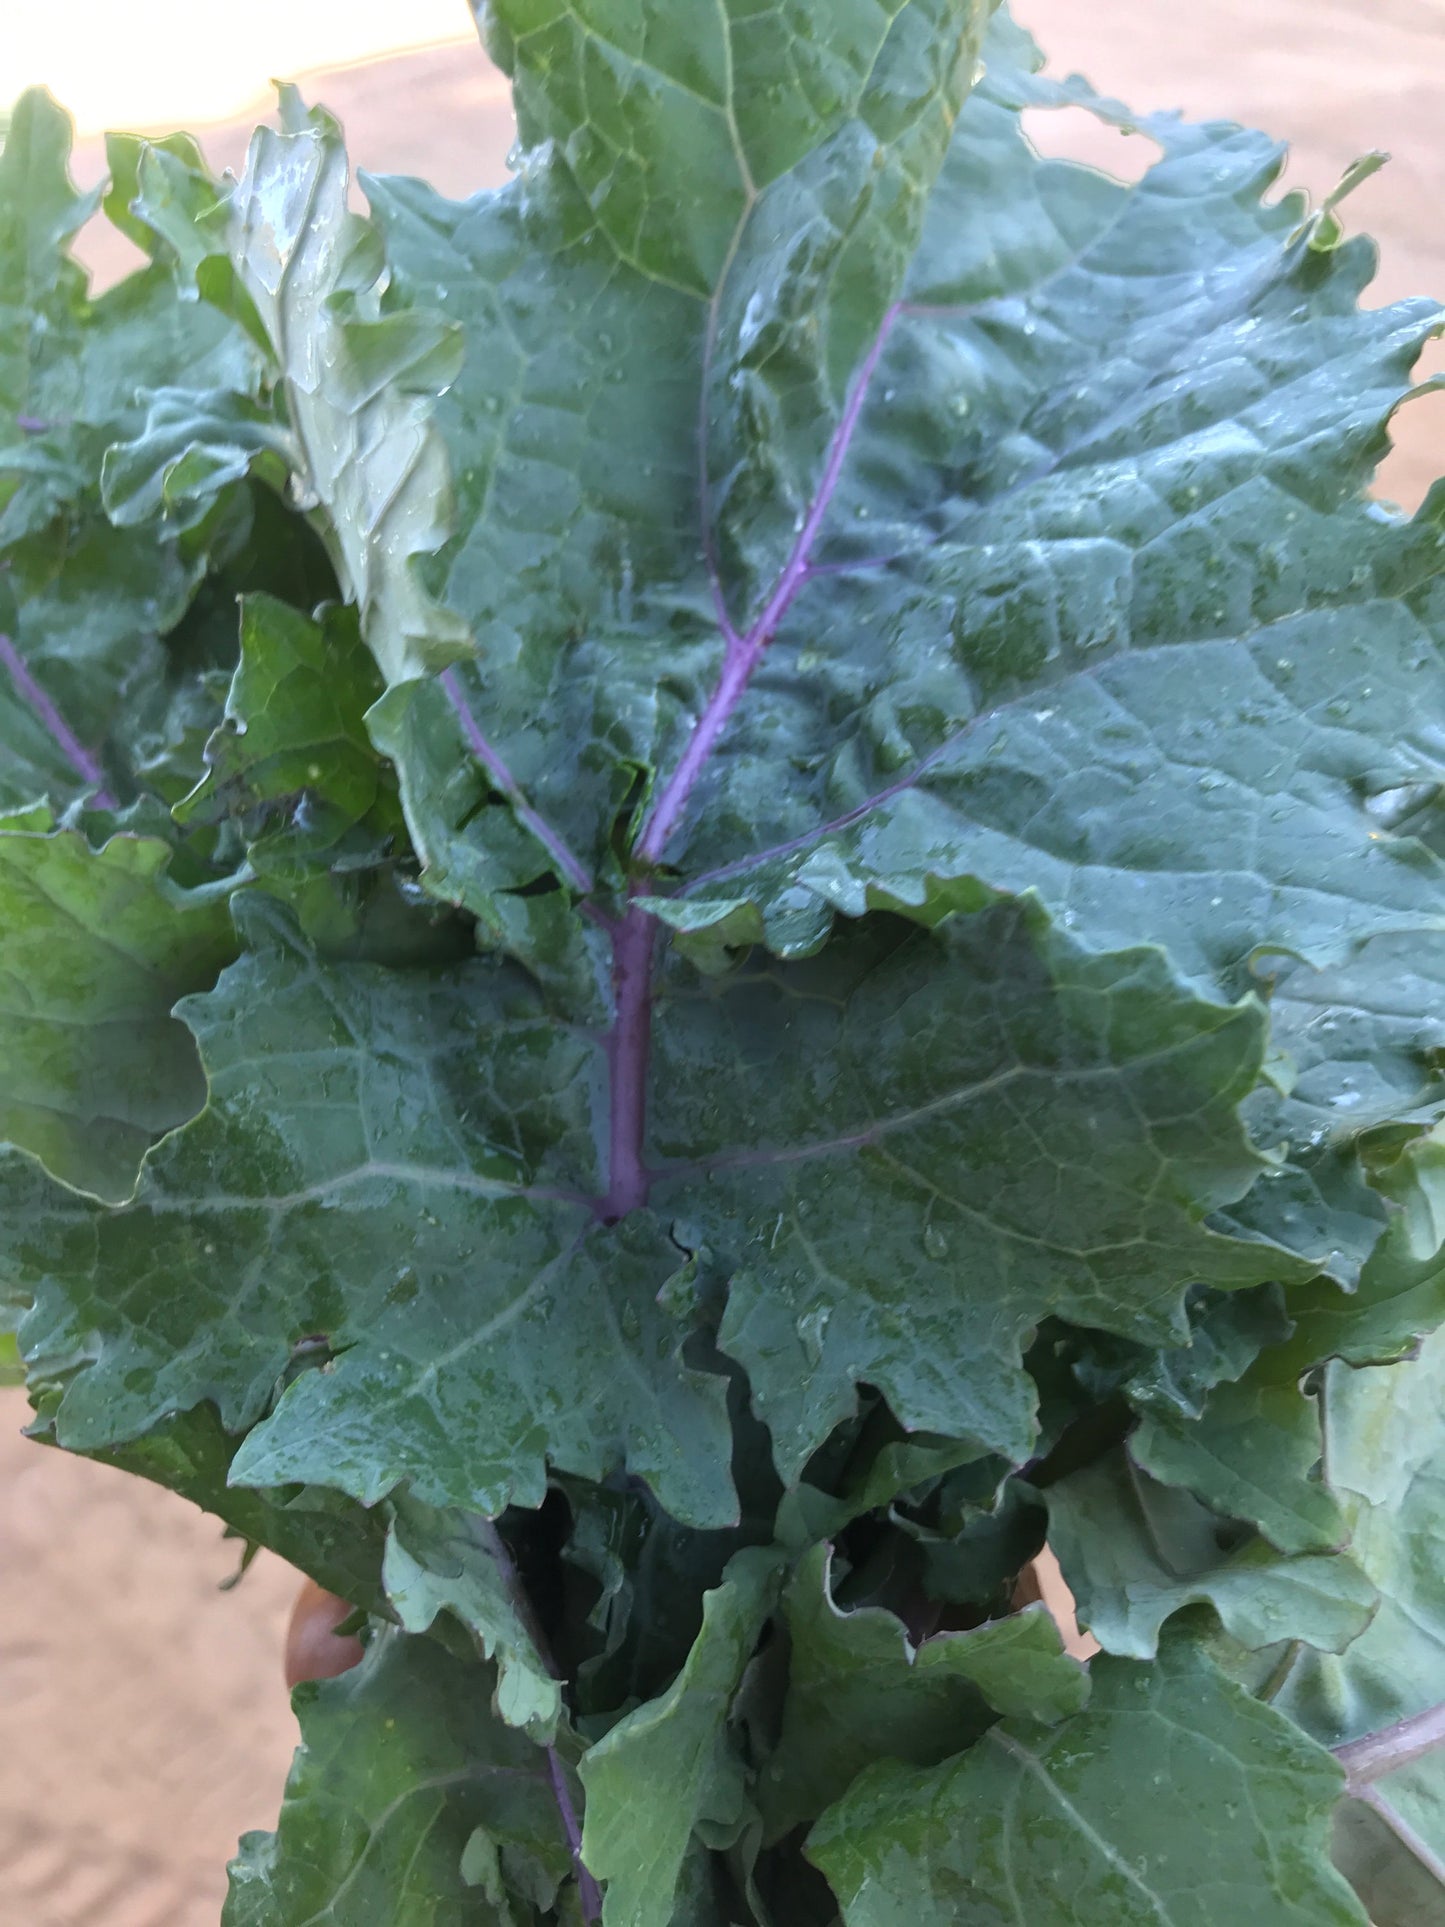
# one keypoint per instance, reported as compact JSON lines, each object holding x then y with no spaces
{"x":629,"y":1040}
{"x":54,"y":724}
{"x":744,"y":652}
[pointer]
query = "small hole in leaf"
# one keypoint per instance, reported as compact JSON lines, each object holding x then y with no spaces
{"x":1074,"y":134}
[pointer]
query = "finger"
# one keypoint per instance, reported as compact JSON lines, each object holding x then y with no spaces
{"x":314,"y":1649}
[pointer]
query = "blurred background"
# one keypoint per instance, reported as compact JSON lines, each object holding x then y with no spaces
{"x":143,"y":1721}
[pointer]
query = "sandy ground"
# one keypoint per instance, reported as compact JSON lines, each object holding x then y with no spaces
{"x":144,"y":1723}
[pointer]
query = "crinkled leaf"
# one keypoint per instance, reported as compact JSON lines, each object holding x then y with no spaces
{"x":1175,"y":1797}
{"x":1135,"y":496}
{"x":89,"y":602}
{"x":1227,"y":1333}
{"x":1348,"y":1113}
{"x":96,"y":946}
{"x":859,"y":1691}
{"x":775,"y":173}
{"x":453,"y":1562}
{"x":1086,"y":614}
{"x":670,"y":1765}
{"x":394,"y":1163}
{"x":573,"y":452}
{"x":366,"y":1179}
{"x":358,"y":383}
{"x":811,"y":505}
{"x":1401,"y":1291}
{"x":807,"y":1513}
{"x":1386,"y":1448}
{"x":1355,"y":1071}
{"x":192,"y":445}
{"x":1253,"y":1453}
{"x":1135,"y":1552}
{"x":295,"y":733}
{"x":401,"y":1764}
{"x":1007,"y":1127}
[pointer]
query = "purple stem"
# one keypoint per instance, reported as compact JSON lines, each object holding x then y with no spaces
{"x":496,"y":1546}
{"x":555,"y":846}
{"x":629,"y":1043}
{"x":1377,"y":1754}
{"x":75,"y":752}
{"x":634,"y":936}
{"x":588,"y":1892}
{"x":744,"y":652}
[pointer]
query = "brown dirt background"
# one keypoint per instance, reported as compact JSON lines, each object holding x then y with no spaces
{"x":143,"y":1723}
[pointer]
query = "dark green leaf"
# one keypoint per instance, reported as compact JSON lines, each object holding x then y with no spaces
{"x":791,"y":516}
{"x":1227,"y":1333}
{"x":1386,"y":1450}
{"x":909,"y":1215}
{"x":455,"y":1562}
{"x":96,"y":946}
{"x":294,"y":732}
{"x":401,"y":1766}
{"x":808,"y":1513}
{"x":1135,"y":1552}
{"x":1175,"y":1797}
{"x":670,"y":1766}
{"x":89,"y":602}
{"x":1098,"y":482}
{"x":642,"y":1578}
{"x":859,"y":1691}
{"x":397,"y":1163}
{"x":1253,"y":1453}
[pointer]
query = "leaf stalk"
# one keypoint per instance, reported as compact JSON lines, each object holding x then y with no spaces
{"x":629,"y":1046}
{"x":568,"y":864}
{"x":588,"y":1892}
{"x":1393,"y":1747}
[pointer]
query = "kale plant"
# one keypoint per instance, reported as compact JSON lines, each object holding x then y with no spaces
{"x":722,"y":894}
